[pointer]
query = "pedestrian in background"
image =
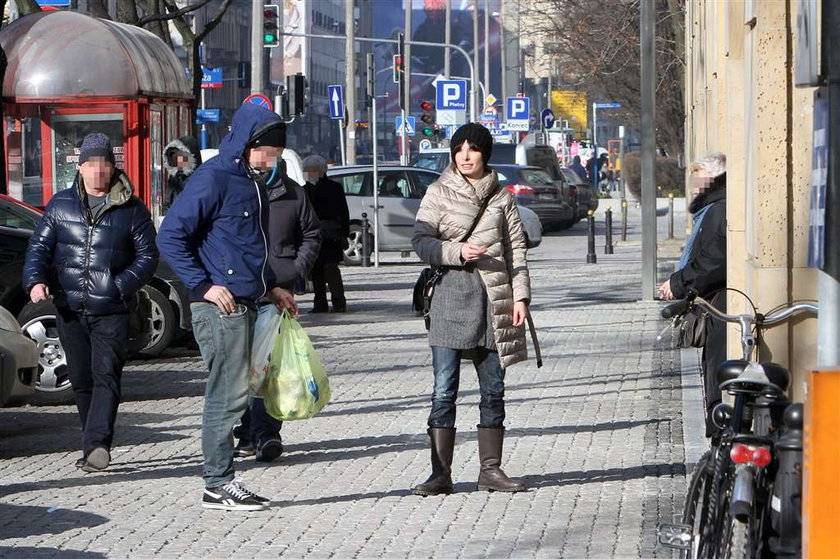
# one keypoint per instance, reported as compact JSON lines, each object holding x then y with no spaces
{"x":330,"y":205}
{"x":215,"y":239}
{"x":181,"y":158}
{"x":92,"y":250}
{"x":479,"y":306}
{"x":294,"y":240}
{"x":702,"y":266}
{"x":578,"y":168}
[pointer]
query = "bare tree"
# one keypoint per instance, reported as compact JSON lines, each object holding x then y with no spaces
{"x":597,"y":48}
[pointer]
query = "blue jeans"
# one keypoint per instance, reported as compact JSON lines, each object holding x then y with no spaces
{"x":225,"y":343}
{"x":96,"y":348}
{"x":491,"y":382}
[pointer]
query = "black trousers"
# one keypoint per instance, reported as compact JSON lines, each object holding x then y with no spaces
{"x":323,"y":274}
{"x":96,"y":348}
{"x":714,"y":353}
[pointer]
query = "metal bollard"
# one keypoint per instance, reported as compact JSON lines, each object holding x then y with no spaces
{"x":365,"y":240}
{"x":591,"y":258}
{"x":670,"y":216}
{"x":608,"y":247}
{"x":624,"y":220}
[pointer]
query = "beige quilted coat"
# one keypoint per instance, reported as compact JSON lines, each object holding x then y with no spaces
{"x":446,"y":214}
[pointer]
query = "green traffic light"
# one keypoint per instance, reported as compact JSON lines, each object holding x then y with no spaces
{"x":269,"y":38}
{"x":427,"y":131}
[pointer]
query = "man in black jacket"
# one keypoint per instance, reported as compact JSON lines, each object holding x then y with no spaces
{"x":330,"y":204}
{"x":294,"y":239}
{"x":92,"y":250}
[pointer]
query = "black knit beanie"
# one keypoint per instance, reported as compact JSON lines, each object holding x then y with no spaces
{"x":477,"y":136}
{"x":271,"y":134}
{"x":96,"y":145}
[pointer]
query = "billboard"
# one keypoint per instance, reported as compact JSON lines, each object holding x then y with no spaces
{"x":571,"y":106}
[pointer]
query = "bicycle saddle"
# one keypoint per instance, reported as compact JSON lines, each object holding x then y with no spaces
{"x":730,"y":370}
{"x":738,"y":375}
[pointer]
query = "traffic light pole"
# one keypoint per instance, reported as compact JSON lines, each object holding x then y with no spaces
{"x":257,"y":48}
{"x":471,"y":66}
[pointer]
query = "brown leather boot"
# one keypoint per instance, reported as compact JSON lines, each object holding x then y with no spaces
{"x":443,"y":444}
{"x":492,"y":478}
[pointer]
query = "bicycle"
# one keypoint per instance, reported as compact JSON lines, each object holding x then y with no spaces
{"x":744,"y":495}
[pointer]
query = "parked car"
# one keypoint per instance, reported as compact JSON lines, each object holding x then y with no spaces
{"x":583,"y":192}
{"x":18,"y":361}
{"x":435,"y":159}
{"x":37,"y":321}
{"x":534,"y":189}
{"x":17,"y":214}
{"x":400,"y":191}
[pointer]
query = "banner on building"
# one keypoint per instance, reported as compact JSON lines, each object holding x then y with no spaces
{"x":571,"y":106}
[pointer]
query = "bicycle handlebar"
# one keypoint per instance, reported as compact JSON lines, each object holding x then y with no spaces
{"x":684,"y":305}
{"x":677,"y":308}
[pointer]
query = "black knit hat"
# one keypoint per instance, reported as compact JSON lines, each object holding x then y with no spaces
{"x":272,"y":134}
{"x":96,"y":145}
{"x":477,"y":136}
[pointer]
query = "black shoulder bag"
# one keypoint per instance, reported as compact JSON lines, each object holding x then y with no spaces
{"x":429,"y":277}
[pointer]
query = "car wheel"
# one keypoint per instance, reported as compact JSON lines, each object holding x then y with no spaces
{"x":353,"y":252}
{"x":164,"y":323}
{"x":38,"y":322}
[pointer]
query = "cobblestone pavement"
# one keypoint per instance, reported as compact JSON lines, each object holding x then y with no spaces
{"x":596,"y":434}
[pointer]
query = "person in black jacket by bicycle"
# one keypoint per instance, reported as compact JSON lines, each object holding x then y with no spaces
{"x":92,"y":250}
{"x":702,"y":267}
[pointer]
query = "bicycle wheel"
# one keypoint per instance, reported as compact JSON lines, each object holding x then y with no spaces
{"x":696,"y":506}
{"x":736,"y":537}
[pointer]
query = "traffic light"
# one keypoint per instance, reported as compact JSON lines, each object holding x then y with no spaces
{"x":296,"y":87}
{"x":428,"y":119}
{"x":398,"y":68}
{"x":271,"y":25}
{"x":244,"y":74}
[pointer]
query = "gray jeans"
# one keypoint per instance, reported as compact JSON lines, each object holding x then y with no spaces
{"x":225,"y":343}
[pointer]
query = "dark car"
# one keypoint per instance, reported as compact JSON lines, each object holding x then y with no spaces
{"x":37,"y":321}
{"x":534,"y":189}
{"x":583,"y":192}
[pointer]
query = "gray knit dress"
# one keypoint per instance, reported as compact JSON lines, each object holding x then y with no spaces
{"x":460,"y":313}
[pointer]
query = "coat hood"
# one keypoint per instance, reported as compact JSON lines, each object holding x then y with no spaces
{"x":121,"y":188}
{"x":477,"y":192}
{"x":188,"y":146}
{"x":247,"y":120}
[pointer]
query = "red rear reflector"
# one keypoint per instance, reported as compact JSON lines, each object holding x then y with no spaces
{"x":740,"y":454}
{"x":756,"y":455}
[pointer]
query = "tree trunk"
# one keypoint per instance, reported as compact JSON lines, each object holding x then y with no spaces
{"x":26,"y":7}
{"x":97,"y":8}
{"x":126,"y":11}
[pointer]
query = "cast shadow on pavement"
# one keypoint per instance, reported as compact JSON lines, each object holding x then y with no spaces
{"x":45,"y":552}
{"x":141,"y":386}
{"x":21,"y":521}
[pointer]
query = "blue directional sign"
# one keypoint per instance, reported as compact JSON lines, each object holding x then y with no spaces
{"x":408,"y":128}
{"x":211,"y":78}
{"x":547,"y":118}
{"x":607,"y":105}
{"x":518,"y":111}
{"x":451,"y":95}
{"x":335,"y":94}
{"x":204,"y":116}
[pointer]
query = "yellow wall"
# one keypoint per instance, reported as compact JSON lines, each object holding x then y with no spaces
{"x":741,"y":101}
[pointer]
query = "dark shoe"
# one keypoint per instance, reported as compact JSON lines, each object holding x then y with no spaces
{"x":320,"y":309}
{"x":339,"y":309}
{"x":251,"y":494}
{"x":440,"y":482}
{"x":269,"y":450}
{"x":492,"y":478}
{"x":232,"y":496}
{"x":244,"y":448}
{"x":79,"y":463}
{"x":98,"y":459}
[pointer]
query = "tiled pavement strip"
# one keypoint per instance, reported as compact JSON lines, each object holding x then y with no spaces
{"x":596,"y":433}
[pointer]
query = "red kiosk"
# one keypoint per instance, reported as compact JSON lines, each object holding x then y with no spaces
{"x":70,"y":74}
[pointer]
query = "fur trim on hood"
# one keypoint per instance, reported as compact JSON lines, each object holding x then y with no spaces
{"x":189,"y":147}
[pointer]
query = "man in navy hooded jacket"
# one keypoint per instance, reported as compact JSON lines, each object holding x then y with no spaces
{"x":214,"y":237}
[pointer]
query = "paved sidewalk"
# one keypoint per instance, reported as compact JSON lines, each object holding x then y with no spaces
{"x":596,"y":433}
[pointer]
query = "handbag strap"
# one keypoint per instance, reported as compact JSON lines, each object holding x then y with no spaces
{"x":481,"y":209}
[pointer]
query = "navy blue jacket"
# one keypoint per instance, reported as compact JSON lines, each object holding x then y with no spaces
{"x":215,"y":232}
{"x":92,"y":266}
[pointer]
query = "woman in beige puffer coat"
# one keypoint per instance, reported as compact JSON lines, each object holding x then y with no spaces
{"x":480,"y":304}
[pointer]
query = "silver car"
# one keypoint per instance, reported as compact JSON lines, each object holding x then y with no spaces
{"x":18,"y":361}
{"x":400,"y":191}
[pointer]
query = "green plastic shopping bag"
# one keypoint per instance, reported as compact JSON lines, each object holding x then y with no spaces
{"x":296,"y":386}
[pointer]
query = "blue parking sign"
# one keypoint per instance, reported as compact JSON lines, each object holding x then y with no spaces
{"x":518,"y":108}
{"x":451,"y":95}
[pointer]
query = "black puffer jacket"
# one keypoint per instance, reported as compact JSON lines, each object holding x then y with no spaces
{"x":294,"y":238}
{"x":92,"y":267}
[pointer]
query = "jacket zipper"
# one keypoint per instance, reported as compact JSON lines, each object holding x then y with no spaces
{"x":265,"y":240}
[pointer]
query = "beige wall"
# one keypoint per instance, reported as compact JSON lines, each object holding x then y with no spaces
{"x":742,"y":102}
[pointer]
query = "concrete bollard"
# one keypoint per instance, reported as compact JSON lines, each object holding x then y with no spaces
{"x":591,"y":258}
{"x":608,"y":246}
{"x":624,"y":220}
{"x":365,"y":241}
{"x":670,"y":216}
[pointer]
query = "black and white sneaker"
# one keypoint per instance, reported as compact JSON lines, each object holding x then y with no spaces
{"x":231,"y":496}
{"x":251,"y":494}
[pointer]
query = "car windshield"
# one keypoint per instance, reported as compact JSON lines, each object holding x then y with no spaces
{"x":571,"y":176}
{"x":17,"y":216}
{"x":535,"y":176}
